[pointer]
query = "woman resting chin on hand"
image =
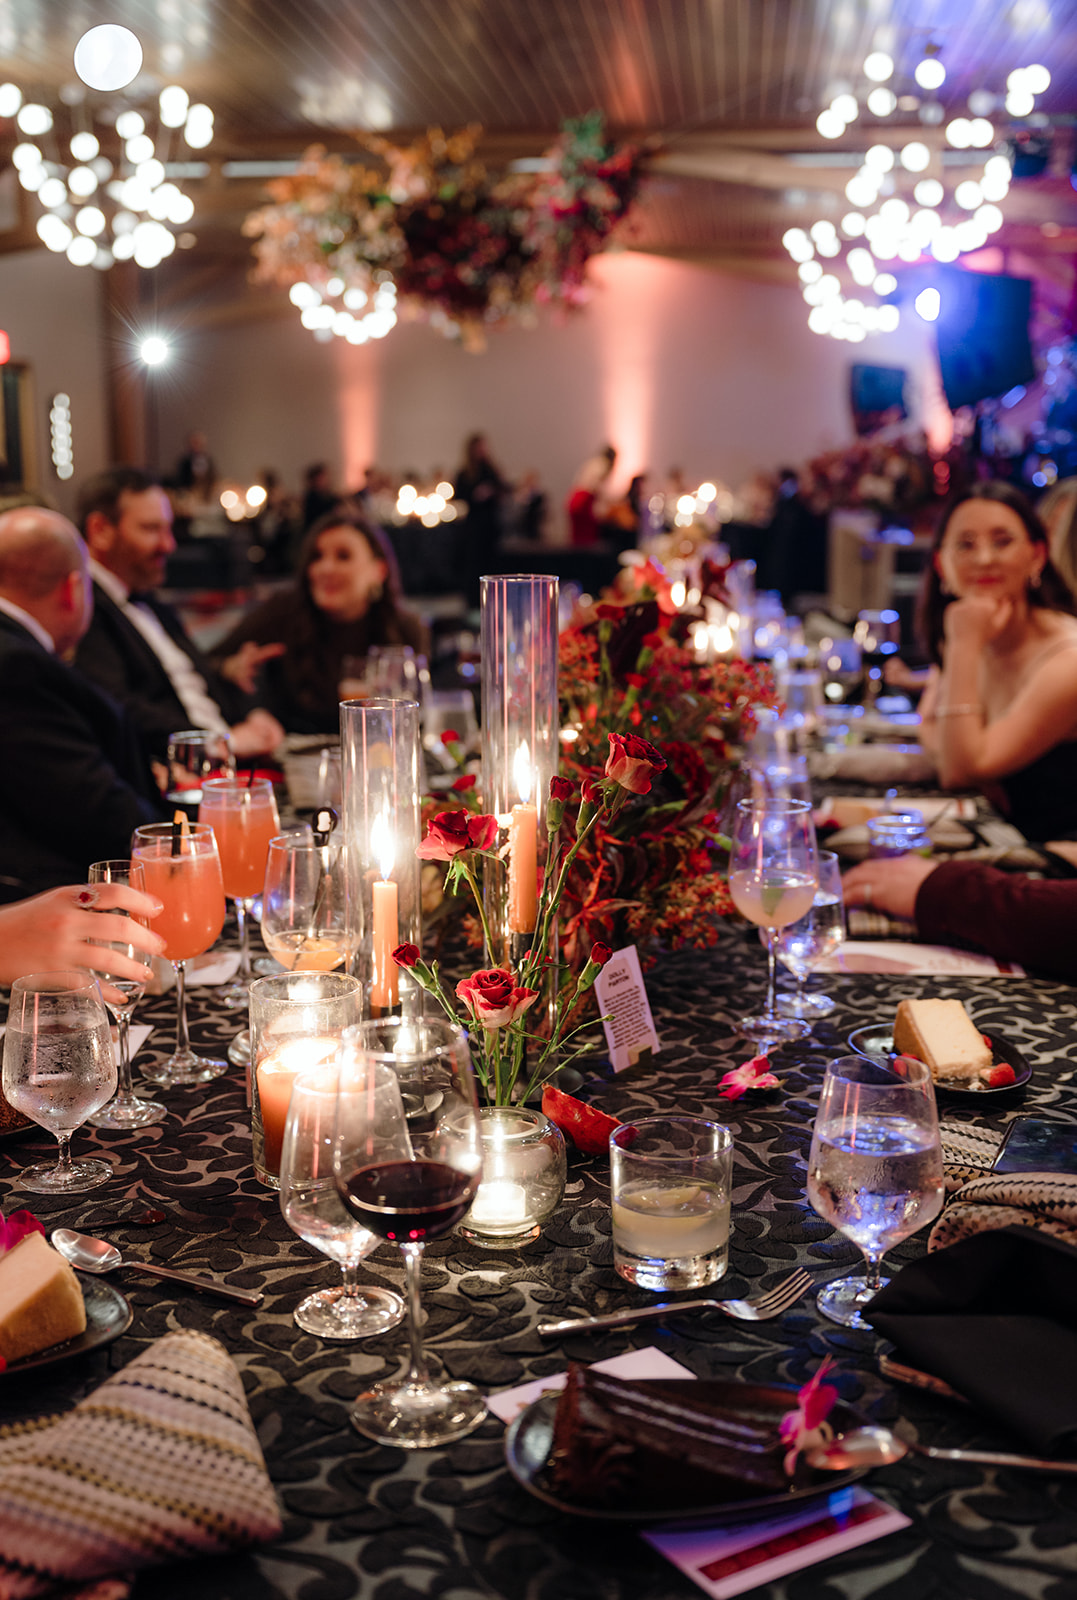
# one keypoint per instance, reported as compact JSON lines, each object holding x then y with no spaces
{"x":65,"y":928}
{"x":889,"y":885}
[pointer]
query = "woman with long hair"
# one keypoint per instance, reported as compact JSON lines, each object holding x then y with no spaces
{"x":1000,"y":709}
{"x":345,"y":598}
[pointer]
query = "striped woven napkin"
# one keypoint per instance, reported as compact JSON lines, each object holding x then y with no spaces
{"x":158,"y":1465}
{"x":1046,"y":1201}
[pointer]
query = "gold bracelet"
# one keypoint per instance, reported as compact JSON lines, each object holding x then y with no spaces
{"x":959,"y":711}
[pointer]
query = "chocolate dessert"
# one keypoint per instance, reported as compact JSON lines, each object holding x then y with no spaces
{"x":663,"y":1442}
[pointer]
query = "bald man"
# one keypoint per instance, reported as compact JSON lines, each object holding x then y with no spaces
{"x":74,"y":782}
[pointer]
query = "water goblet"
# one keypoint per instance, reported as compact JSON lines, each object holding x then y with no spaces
{"x":875,"y":1167}
{"x":311,"y":1204}
{"x":126,"y":1110}
{"x":772,"y":879}
{"x":408,"y":1161}
{"x":58,"y":1068}
{"x":306,"y":924}
{"x":182,"y":868}
{"x":802,"y":945}
{"x":243,"y":815}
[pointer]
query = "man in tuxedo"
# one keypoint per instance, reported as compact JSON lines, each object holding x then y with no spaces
{"x":136,"y":648}
{"x":74,"y":782}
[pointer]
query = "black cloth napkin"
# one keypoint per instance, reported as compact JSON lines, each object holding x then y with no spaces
{"x":996,"y":1317}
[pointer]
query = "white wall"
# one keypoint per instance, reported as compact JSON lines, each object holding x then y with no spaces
{"x":52,"y":313}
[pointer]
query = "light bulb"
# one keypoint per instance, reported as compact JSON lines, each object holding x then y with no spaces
{"x":878,"y":66}
{"x":108,"y":57}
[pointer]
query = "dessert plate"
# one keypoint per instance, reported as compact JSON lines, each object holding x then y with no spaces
{"x":530,"y":1438}
{"x":108,"y":1314}
{"x":878,"y":1040}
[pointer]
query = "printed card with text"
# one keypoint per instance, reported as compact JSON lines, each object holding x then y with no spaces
{"x":623,"y":1003}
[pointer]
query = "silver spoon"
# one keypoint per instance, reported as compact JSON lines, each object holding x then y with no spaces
{"x":97,"y":1255}
{"x":878,"y":1447}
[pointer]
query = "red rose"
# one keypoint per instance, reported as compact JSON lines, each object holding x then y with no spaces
{"x":493,"y":998}
{"x":560,"y":789}
{"x":450,"y":832}
{"x":635,"y":680}
{"x":450,"y":736}
{"x":609,"y":612}
{"x":600,"y":954}
{"x":633,"y":762}
{"x":651,"y":641}
{"x":466,"y":780}
{"x":590,"y":792}
{"x":406,"y":955}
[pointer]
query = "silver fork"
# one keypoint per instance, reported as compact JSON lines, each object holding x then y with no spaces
{"x":759,"y":1309}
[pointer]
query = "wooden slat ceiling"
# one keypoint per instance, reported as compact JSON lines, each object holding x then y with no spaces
{"x":730,"y":88}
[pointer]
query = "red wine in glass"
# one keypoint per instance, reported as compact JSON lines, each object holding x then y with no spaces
{"x":409,"y":1201}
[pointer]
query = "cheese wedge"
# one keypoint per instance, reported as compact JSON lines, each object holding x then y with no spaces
{"x":943,"y":1036}
{"x":41,"y":1303}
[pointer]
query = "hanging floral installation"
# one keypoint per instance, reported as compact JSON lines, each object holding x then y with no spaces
{"x":433,"y":234}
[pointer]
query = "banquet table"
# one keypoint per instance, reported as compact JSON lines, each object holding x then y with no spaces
{"x":367,"y":1520}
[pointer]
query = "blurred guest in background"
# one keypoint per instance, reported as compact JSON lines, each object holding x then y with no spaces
{"x":319,"y":496}
{"x":1057,"y":510}
{"x":196,"y":468}
{"x":482,"y":488}
{"x":345,"y":598}
{"x":587,"y":504}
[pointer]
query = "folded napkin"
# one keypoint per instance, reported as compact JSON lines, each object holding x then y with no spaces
{"x":1043,"y":1200}
{"x":968,"y":1151}
{"x":994,"y":1316}
{"x":160,"y":1464}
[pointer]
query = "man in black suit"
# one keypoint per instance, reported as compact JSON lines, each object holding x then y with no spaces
{"x":136,"y":648}
{"x":74,"y":782}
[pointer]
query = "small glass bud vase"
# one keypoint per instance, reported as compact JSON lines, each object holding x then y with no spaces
{"x":524,"y":1169}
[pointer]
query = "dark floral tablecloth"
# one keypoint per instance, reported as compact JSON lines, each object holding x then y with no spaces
{"x":363,"y":1520}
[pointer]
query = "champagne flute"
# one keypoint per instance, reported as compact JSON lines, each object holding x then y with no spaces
{"x":182,"y":868}
{"x":875,"y":1168}
{"x":408,"y":1160}
{"x":802,"y":945}
{"x":311,"y":1204}
{"x":127,"y":1110}
{"x":305,"y":920}
{"x":243,"y":815}
{"x":772,"y":879}
{"x":59,"y":1066}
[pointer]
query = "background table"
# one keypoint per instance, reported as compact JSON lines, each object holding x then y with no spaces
{"x":366,"y":1520}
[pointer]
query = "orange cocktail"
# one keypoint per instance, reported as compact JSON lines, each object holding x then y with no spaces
{"x":244,"y":819}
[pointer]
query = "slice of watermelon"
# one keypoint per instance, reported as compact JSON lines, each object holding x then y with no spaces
{"x":588,"y":1128}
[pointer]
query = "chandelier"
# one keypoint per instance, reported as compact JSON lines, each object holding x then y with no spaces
{"x":106,"y":181}
{"x":901,"y":208}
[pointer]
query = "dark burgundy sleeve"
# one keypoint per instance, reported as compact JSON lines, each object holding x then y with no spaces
{"x":1007,"y":915}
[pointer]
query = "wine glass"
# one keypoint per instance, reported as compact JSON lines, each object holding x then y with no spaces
{"x":408,"y":1161}
{"x":195,"y":754}
{"x":127,"y":1110}
{"x":312,"y":1208}
{"x":58,"y":1067}
{"x":878,"y":633}
{"x":305,"y":913}
{"x":773,"y":879}
{"x":182,"y":868}
{"x":243,"y":815}
{"x":802,"y":945}
{"x":875,"y":1168}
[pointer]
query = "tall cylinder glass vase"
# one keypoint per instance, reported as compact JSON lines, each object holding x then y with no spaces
{"x":380,"y":781}
{"x":519,"y":750}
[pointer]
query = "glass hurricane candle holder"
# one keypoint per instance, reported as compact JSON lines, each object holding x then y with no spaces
{"x":380,"y":776}
{"x":297,"y":1020}
{"x":519,"y":750}
{"x":524,"y":1171}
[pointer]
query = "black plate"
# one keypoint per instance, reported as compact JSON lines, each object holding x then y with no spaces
{"x":108,"y":1315}
{"x":530,"y":1436}
{"x":878,"y":1040}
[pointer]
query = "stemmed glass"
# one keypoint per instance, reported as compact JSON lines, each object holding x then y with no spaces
{"x":803,"y":944}
{"x":59,"y":1066}
{"x":875,"y":1168}
{"x":305,"y":919}
{"x":195,"y":754}
{"x":127,"y":1110}
{"x":312,"y":1208}
{"x":773,"y":879}
{"x":408,"y":1160}
{"x":182,"y":868}
{"x":243,"y":815}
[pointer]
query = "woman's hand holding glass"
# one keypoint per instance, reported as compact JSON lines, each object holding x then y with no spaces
{"x":67,"y":928}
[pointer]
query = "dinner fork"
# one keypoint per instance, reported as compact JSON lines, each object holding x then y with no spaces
{"x":759,"y":1309}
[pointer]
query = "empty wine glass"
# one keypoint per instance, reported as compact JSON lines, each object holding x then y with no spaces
{"x":408,"y":1161}
{"x":58,"y":1067}
{"x":772,"y":879}
{"x":306,"y":924}
{"x":127,"y":1110}
{"x":312,"y":1208}
{"x":875,"y":1168}
{"x":802,"y":945}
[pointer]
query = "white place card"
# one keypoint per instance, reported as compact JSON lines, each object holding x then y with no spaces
{"x":626,"y":1011}
{"x":902,"y":958}
{"x":215,"y":968}
{"x":729,"y":1561}
{"x":646,"y":1363}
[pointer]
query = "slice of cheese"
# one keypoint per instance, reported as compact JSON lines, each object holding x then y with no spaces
{"x":41,"y":1303}
{"x":942,"y":1035}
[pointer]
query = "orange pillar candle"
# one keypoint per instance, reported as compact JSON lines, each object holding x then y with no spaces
{"x":384,"y":986}
{"x":276,"y":1073}
{"x":523,"y":869}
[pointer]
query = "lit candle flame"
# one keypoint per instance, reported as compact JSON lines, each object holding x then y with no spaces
{"x":381,"y":845}
{"x":522,"y":772}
